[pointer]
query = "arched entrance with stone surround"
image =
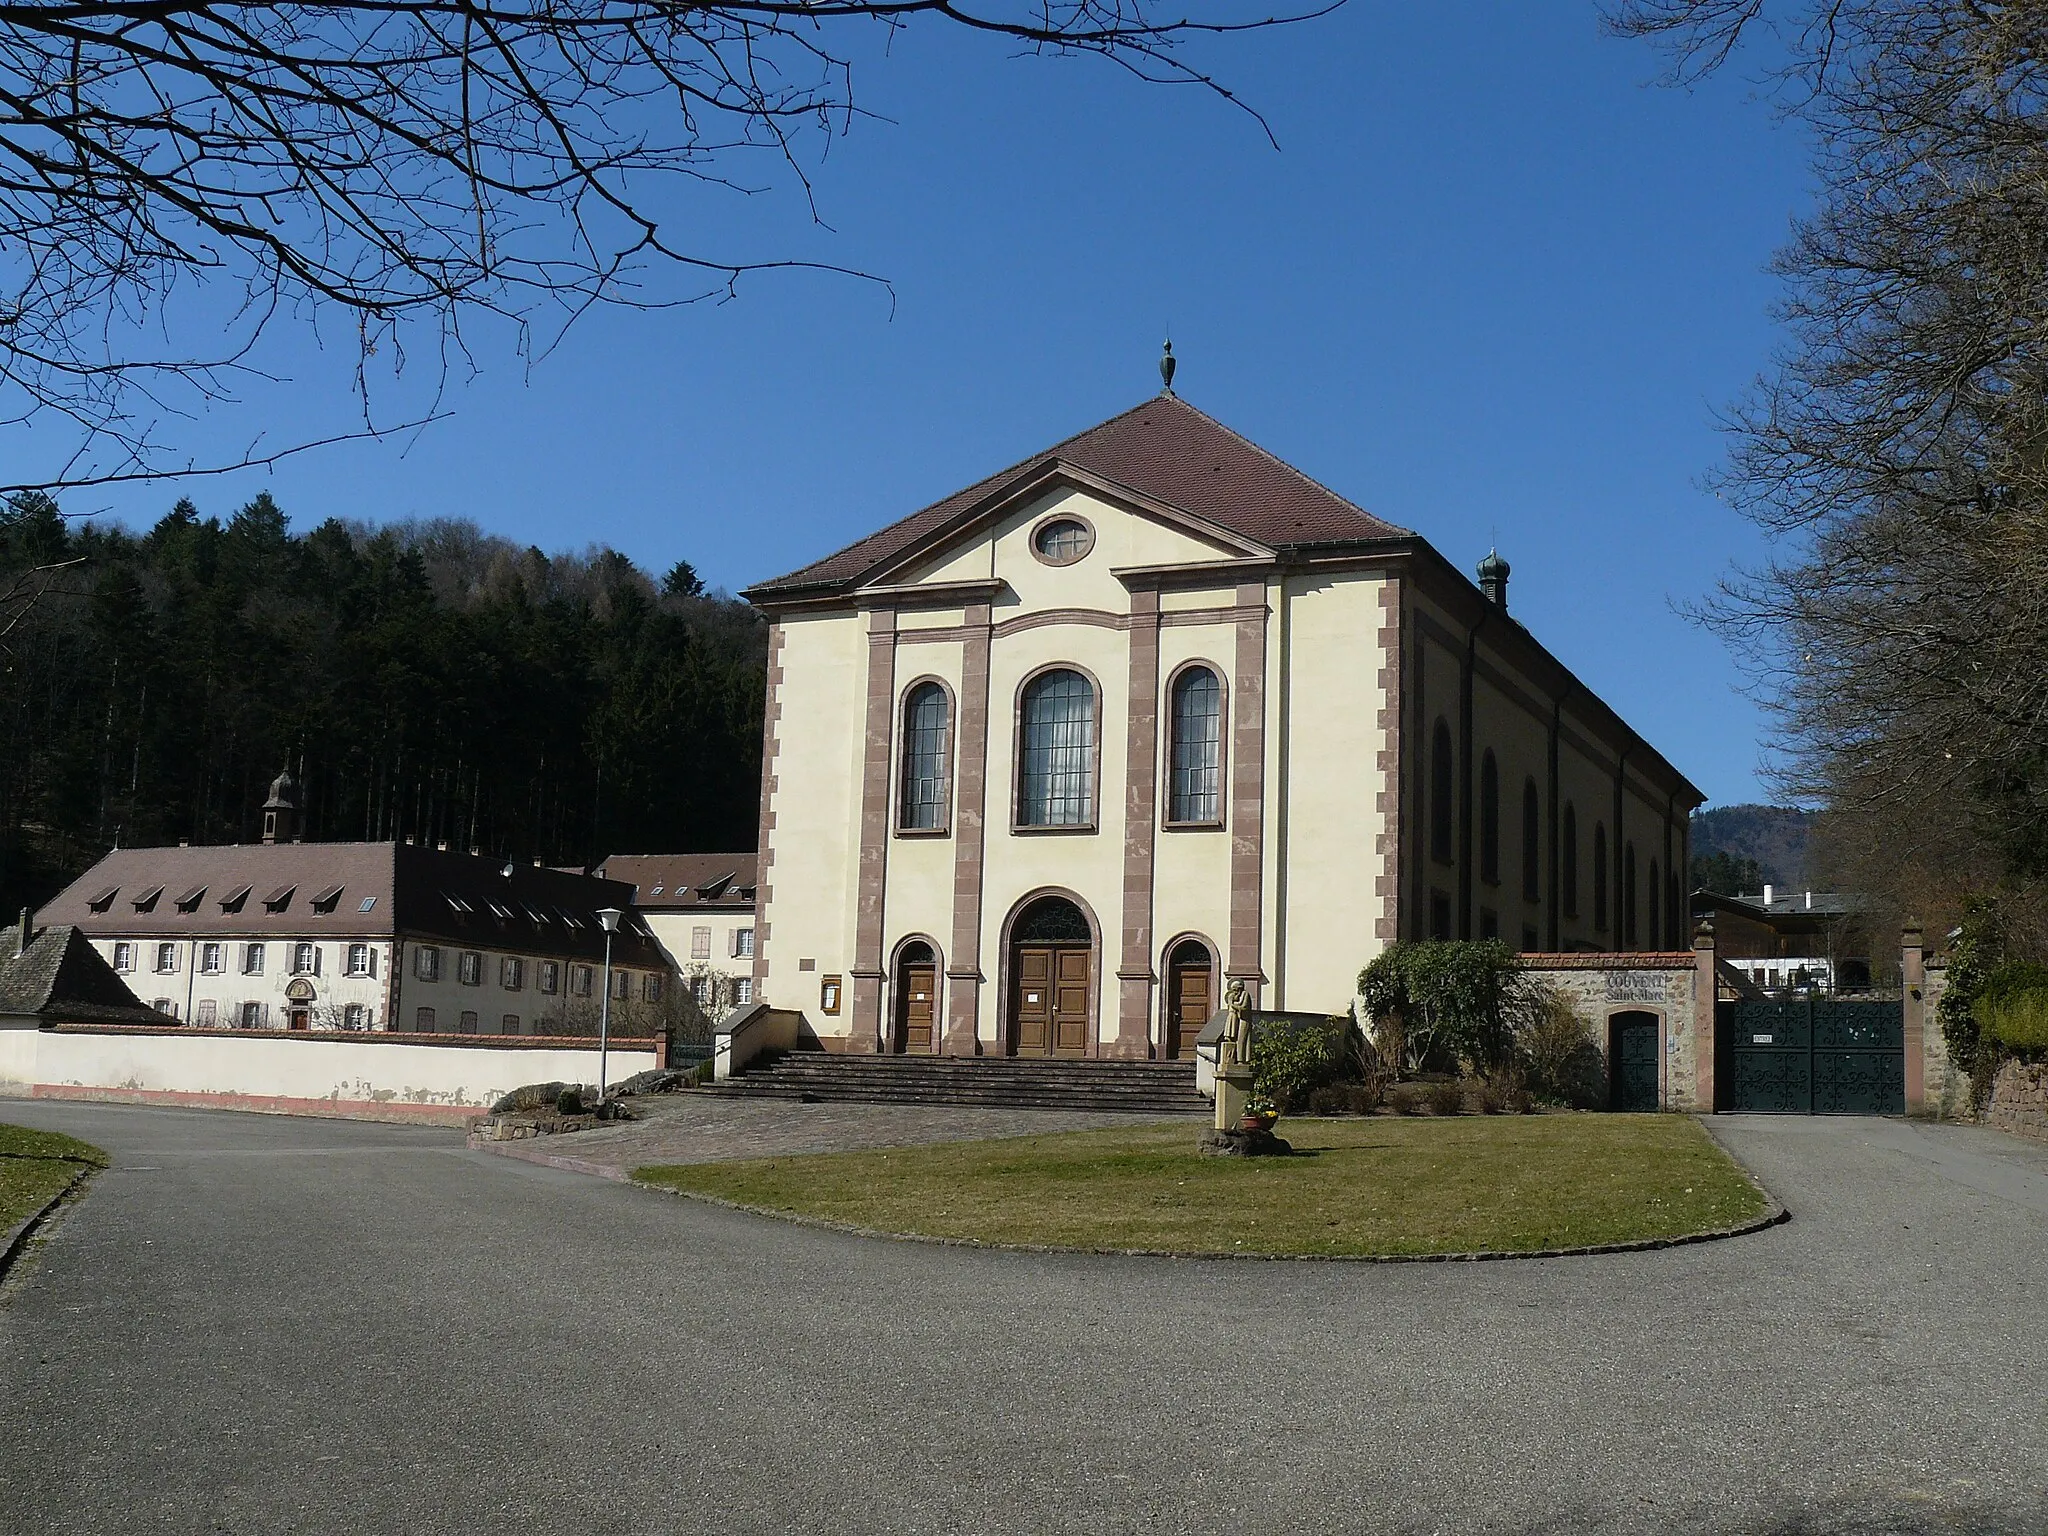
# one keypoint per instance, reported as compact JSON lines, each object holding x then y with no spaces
{"x":1049,"y":999}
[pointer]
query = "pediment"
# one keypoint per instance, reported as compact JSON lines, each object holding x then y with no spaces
{"x":1132,"y":530}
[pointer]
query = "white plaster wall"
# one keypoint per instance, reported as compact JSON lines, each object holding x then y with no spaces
{"x":188,"y":986}
{"x":808,"y":888}
{"x":339,"y":1068}
{"x":1324,"y":821}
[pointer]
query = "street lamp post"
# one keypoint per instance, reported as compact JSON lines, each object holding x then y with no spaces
{"x":609,"y":916}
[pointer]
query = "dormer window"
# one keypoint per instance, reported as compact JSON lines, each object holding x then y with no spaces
{"x":232,"y":902}
{"x":280,"y":898}
{"x":146,"y":902}
{"x":326,"y":900}
{"x":189,"y":902}
{"x":105,"y":899}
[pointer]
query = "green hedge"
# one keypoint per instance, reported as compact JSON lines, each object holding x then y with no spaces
{"x":2012,"y":1010}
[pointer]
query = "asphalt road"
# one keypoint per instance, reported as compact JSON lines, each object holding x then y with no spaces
{"x":256,"y":1324}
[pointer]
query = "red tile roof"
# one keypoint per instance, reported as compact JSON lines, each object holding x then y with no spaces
{"x":1164,"y":451}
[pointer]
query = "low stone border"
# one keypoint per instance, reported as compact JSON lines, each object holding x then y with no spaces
{"x":526,"y":1154}
{"x":1774,"y":1213}
{"x":18,"y":1235}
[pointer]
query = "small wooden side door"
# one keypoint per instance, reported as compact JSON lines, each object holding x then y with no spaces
{"x":1191,"y":1008}
{"x":1033,"y":1005}
{"x":920,"y":987}
{"x":1070,"y":1002}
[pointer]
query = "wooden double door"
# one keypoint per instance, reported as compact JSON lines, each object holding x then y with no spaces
{"x":1049,"y":999}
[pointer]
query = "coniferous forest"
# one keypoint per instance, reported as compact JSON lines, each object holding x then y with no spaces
{"x":421,"y":679}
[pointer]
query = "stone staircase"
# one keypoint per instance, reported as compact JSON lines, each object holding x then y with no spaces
{"x":996,"y":1082}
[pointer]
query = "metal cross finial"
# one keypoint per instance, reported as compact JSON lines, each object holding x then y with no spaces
{"x":1167,"y":365}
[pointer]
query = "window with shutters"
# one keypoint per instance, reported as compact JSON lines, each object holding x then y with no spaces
{"x":469,"y":969}
{"x":548,"y":977}
{"x":700,"y":943}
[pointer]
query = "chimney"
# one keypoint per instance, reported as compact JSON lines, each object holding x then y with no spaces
{"x":21,"y":939}
{"x":1493,"y":579}
{"x":1769,"y":892}
{"x":1809,"y":901}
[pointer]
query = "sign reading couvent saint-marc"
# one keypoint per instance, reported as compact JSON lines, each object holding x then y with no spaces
{"x":1051,"y":761}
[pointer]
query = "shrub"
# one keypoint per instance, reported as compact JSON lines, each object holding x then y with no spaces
{"x":1360,"y":1098}
{"x":1455,"y":1001}
{"x":1505,"y":1091}
{"x":1447,"y":1098}
{"x":1410,"y":1099}
{"x":1563,"y":1059}
{"x":569,"y":1102}
{"x":2012,"y":1008}
{"x":705,"y":1071}
{"x":1971,"y":962}
{"x":1291,"y":1059}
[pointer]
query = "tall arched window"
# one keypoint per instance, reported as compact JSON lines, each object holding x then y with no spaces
{"x":922,"y":804}
{"x":1195,"y":753}
{"x":1628,"y":896}
{"x":1532,"y":835}
{"x":1656,"y":908}
{"x":1600,"y":875}
{"x":1568,"y":862}
{"x":1056,"y":766}
{"x":1443,"y":776}
{"x":1489,"y":819}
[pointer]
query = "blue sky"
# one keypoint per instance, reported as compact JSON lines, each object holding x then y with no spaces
{"x":1492,"y":285}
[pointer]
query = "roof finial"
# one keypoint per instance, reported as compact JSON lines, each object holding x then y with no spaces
{"x":1167,"y":365}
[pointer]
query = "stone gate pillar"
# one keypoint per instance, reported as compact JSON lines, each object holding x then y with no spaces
{"x":1706,"y":989}
{"x":1913,"y":1007}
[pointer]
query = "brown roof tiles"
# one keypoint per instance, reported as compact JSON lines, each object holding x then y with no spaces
{"x":1163,"y":451}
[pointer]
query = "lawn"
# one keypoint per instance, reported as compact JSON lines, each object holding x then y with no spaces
{"x":34,"y":1165}
{"x":1378,"y":1186}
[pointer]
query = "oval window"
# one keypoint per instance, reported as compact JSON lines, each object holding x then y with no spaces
{"x":1062,"y":541}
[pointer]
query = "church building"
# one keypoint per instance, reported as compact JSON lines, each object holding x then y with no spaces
{"x":1051,"y":761}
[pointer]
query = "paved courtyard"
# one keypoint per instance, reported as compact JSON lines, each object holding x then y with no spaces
{"x":272,"y":1325}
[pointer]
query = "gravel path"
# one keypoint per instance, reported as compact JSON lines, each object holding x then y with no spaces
{"x":253,"y":1324}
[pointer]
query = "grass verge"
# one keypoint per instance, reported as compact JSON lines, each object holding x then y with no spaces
{"x":1374,"y":1187}
{"x":34,"y":1166}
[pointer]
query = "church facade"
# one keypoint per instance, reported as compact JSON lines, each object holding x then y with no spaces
{"x":1050,"y":762}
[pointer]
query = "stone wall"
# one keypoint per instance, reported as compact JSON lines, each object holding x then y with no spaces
{"x":2019,"y":1099}
{"x":1600,"y":986}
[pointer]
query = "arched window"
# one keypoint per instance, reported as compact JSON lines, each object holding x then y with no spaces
{"x":1568,"y":862}
{"x":1600,"y":875}
{"x":1628,"y":896}
{"x":1532,"y":834}
{"x":1195,"y":752}
{"x":1656,"y":908}
{"x":1056,"y":767}
{"x":1443,"y":775}
{"x":922,"y":806}
{"x":1489,"y":819}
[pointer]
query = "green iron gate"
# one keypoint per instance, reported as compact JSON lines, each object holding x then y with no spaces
{"x":1813,"y":1056}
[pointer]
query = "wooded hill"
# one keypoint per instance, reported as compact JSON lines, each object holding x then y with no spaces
{"x":422,"y":679}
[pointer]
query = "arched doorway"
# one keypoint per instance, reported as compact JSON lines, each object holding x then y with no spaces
{"x":1190,"y":997}
{"x":917,"y":991}
{"x":1632,"y":1062}
{"x":1051,"y":978}
{"x":298,"y":999}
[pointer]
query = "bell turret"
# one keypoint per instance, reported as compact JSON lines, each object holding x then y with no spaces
{"x":281,"y":810}
{"x":1493,"y":579}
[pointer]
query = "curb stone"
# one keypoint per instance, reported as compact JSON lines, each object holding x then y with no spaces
{"x":520,"y":1153}
{"x":18,"y":1235}
{"x":1773,"y":1214}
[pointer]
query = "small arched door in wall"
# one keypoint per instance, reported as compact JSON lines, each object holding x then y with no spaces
{"x":298,"y":998}
{"x":1632,"y":1062}
{"x":1051,"y":961}
{"x":917,"y":990}
{"x":1190,"y":997}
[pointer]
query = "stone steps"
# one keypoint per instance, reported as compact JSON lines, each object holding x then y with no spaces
{"x":1132,"y":1087}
